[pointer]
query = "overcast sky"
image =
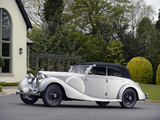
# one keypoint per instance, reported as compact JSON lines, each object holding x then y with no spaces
{"x":156,"y":5}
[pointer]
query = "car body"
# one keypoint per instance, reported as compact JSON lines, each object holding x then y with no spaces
{"x":90,"y":81}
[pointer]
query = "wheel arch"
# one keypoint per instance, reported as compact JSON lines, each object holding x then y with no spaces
{"x":123,"y":88}
{"x":60,"y":86}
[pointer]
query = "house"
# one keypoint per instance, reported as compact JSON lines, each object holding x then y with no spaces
{"x":14,"y":23}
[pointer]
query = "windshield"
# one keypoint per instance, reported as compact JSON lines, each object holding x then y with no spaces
{"x":81,"y":69}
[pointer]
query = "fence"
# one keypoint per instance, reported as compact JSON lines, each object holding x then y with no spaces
{"x":52,"y":62}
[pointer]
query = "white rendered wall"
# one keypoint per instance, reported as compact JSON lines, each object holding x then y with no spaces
{"x":18,"y":39}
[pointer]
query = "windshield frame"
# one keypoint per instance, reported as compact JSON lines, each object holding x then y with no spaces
{"x":80,"y":69}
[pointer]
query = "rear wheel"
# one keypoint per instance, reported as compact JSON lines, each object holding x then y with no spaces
{"x":102,"y":104}
{"x":129,"y":98}
{"x":52,"y":96}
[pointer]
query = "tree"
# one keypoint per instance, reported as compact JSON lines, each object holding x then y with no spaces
{"x":52,"y":13}
{"x":149,"y":42}
{"x":41,"y":40}
{"x":103,"y":17}
{"x":65,"y":42}
{"x":146,"y":34}
{"x":139,"y":10}
{"x":131,"y":47}
{"x":119,"y":18}
{"x":87,"y":16}
{"x":34,"y":11}
{"x":92,"y":48}
{"x":114,"y":52}
{"x":158,"y":22}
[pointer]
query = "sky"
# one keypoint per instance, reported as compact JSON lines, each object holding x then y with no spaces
{"x":156,"y":5}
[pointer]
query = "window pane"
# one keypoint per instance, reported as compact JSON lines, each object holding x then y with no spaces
{"x":5,"y":49}
{"x":98,"y":71}
{"x":114,"y":72}
{"x":5,"y":33}
{"x":5,"y":18}
{"x":6,"y":68}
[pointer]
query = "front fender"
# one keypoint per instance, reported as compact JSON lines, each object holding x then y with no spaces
{"x":47,"y":81}
{"x":140,"y":94}
{"x":69,"y":90}
{"x":25,"y":86}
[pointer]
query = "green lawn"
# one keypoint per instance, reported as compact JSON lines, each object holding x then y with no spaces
{"x":152,"y":90}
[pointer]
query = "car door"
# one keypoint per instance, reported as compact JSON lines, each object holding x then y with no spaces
{"x":115,"y":82}
{"x":96,"y":82}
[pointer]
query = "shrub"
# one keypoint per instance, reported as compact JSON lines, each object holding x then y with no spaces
{"x":31,"y":71}
{"x":0,"y":88}
{"x":140,"y":69}
{"x":9,"y":84}
{"x":1,"y":62}
{"x":158,"y":75}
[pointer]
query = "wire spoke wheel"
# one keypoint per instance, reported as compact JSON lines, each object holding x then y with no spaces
{"x":129,"y":98}
{"x":29,"y":99}
{"x":52,"y":96}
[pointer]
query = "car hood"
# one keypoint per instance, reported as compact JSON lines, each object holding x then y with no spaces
{"x":61,"y":75}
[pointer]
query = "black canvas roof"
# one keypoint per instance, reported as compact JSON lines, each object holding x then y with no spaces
{"x":123,"y":69}
{"x":24,"y":14}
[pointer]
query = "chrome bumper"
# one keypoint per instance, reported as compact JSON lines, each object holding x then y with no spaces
{"x":28,"y":93}
{"x":146,"y":96}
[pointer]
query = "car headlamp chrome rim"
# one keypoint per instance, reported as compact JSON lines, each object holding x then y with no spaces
{"x":41,"y":76}
{"x":30,"y":78}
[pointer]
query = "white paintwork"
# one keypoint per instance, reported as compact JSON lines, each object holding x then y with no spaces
{"x":18,"y":41}
{"x":76,"y":83}
{"x":87,"y":87}
{"x":96,"y":85}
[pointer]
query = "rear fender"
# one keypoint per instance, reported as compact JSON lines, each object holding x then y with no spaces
{"x":138,"y":90}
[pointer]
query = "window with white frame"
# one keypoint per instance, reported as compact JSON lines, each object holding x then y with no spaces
{"x":5,"y":40}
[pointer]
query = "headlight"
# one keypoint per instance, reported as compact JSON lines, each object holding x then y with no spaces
{"x":40,"y":76}
{"x":30,"y":78}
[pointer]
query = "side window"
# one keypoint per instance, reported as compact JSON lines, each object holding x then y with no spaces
{"x":114,"y":72}
{"x":98,"y":71}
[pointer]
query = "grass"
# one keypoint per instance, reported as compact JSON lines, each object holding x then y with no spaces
{"x":152,"y":90}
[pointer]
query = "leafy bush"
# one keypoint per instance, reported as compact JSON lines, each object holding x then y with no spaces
{"x":1,"y":62}
{"x":9,"y":84}
{"x":158,"y":75}
{"x":31,"y":71}
{"x":0,"y":88}
{"x":140,"y":69}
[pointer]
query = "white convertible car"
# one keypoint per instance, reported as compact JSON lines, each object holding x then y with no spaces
{"x":99,"y":82}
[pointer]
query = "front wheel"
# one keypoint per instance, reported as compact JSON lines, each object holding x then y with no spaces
{"x":29,"y":100}
{"x":129,"y":98}
{"x":52,"y":96}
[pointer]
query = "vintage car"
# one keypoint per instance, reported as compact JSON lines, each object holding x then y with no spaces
{"x":91,"y":81}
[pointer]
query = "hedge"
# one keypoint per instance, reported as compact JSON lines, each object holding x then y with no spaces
{"x":9,"y":84}
{"x":158,"y":75}
{"x":31,"y":71}
{"x":140,"y":69}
